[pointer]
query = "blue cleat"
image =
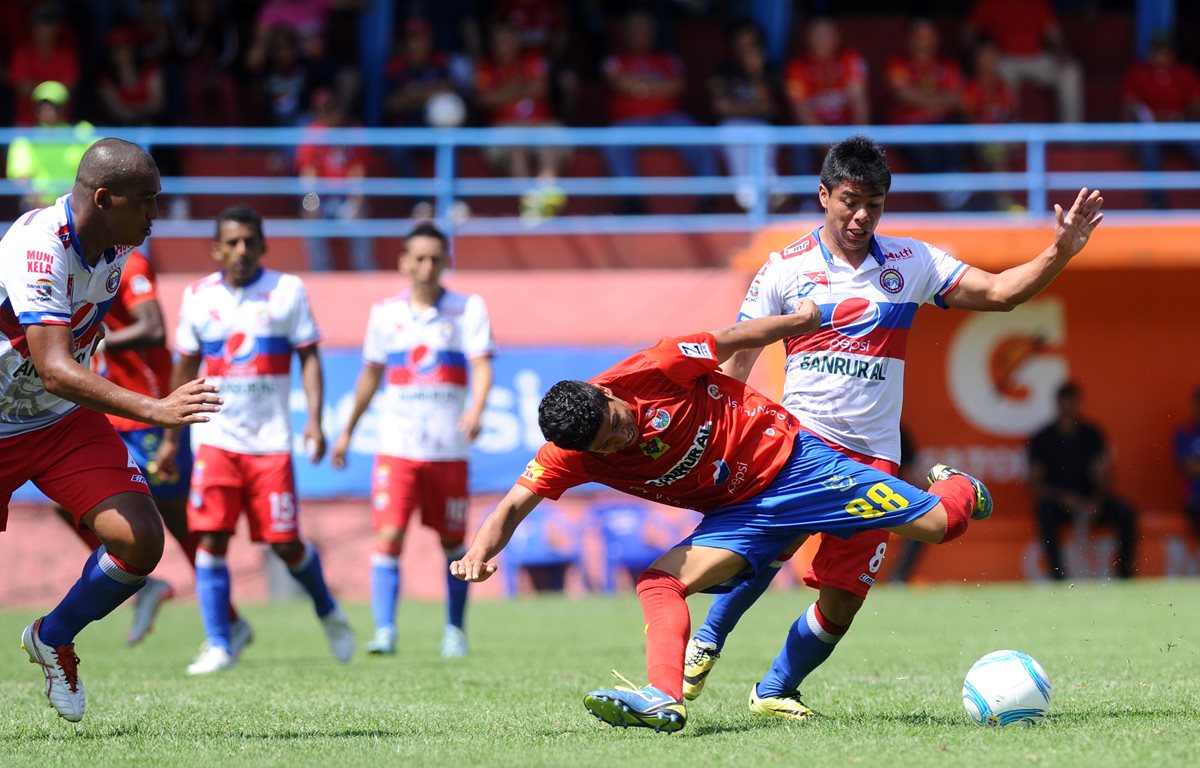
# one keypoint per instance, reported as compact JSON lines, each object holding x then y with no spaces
{"x":983,"y":497}
{"x":630,"y":707}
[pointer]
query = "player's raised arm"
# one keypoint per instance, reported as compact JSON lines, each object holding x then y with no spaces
{"x":758,"y":332}
{"x":50,"y":348}
{"x":494,"y":534}
{"x":981,"y":290}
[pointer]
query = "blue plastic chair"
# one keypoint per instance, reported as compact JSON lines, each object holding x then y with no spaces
{"x":547,"y":543}
{"x":633,"y":536}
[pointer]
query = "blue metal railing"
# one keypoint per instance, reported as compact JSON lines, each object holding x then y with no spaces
{"x":444,"y":187}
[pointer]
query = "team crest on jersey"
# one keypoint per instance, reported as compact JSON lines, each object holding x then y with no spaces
{"x":891,"y":280}
{"x":113,"y":281}
{"x":838,"y":482}
{"x":533,"y":471}
{"x":654,"y":447}
{"x":714,"y":391}
{"x":659,"y":418}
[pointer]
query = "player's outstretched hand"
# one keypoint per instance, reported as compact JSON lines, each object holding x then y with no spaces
{"x":472,"y":568}
{"x":337,"y":455}
{"x":314,"y":442}
{"x":190,"y":404}
{"x":1073,"y":228}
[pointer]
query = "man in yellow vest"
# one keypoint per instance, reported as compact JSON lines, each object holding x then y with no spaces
{"x":48,"y":168}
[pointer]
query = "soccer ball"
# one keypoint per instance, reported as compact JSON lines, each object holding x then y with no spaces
{"x":1006,"y":688}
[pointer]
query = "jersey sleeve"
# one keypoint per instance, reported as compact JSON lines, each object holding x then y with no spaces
{"x":187,"y":342}
{"x":945,"y":274}
{"x":375,"y":339}
{"x":34,"y":268}
{"x":682,"y":359}
{"x":303,"y":328}
{"x":764,"y":297}
{"x":553,"y":472}
{"x":137,"y":282}
{"x":477,"y":329}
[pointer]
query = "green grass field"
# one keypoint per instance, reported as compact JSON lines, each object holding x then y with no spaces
{"x":1124,"y":660}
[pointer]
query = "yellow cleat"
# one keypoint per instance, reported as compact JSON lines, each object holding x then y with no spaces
{"x":698,"y":661}
{"x":787,"y":705}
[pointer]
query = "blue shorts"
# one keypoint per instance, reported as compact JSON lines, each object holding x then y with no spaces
{"x":818,"y":491}
{"x":143,"y":445}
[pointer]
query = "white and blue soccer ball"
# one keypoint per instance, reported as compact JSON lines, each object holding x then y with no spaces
{"x":1006,"y":688}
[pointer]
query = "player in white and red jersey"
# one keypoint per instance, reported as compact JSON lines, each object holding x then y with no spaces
{"x":133,"y":354}
{"x":60,"y":268}
{"x":666,"y":425}
{"x":431,"y":344}
{"x":845,"y":383}
{"x":244,"y":324}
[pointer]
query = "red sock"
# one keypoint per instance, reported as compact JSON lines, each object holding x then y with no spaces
{"x":958,"y":499}
{"x":667,"y":628}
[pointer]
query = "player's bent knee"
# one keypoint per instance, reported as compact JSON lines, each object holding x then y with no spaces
{"x":839,"y":605}
{"x":130,"y":526}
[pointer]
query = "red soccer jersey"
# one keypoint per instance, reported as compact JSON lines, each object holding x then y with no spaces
{"x":145,"y":369}
{"x":1017,"y":26}
{"x":988,"y":102}
{"x":826,"y":85}
{"x":1170,"y":93}
{"x":329,"y":161}
{"x":706,"y":440}
{"x":530,"y":68}
{"x":653,"y":66}
{"x":942,"y":76}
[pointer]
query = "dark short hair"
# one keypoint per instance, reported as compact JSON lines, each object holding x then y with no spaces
{"x":571,"y":413}
{"x":426,"y":229}
{"x":858,"y":160}
{"x":242,"y":214}
{"x":113,"y":164}
{"x":1069,"y":389}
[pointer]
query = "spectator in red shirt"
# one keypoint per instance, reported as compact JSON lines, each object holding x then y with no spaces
{"x":331,"y":161}
{"x":826,"y":85}
{"x":510,"y":87}
{"x":208,"y":49}
{"x":926,"y":89}
{"x":131,"y":90}
{"x":48,"y":54}
{"x":988,"y":99}
{"x":1160,"y":89}
{"x":745,"y":91}
{"x":1033,"y":49}
{"x":644,"y":88}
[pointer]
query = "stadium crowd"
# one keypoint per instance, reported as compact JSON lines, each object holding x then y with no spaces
{"x":585,"y":62}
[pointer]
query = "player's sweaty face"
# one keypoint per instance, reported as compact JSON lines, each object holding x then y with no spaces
{"x":852,"y":211}
{"x":239,"y":249}
{"x":134,"y":208}
{"x":424,"y":259}
{"x":618,"y":430}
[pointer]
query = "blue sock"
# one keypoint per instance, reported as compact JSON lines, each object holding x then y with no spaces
{"x":212,"y":592}
{"x":308,"y":573}
{"x":385,"y":589}
{"x":727,"y":609}
{"x":456,"y":590}
{"x":809,"y":642}
{"x":102,"y":586}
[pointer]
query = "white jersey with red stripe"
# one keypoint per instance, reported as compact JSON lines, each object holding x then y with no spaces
{"x":845,"y":382}
{"x":246,"y":338}
{"x":44,"y":280}
{"x":425,"y":358}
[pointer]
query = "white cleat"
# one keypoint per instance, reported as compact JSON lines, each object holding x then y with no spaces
{"x":64,"y":689}
{"x":212,"y":658}
{"x":340,"y":634}
{"x":146,"y":603}
{"x":454,"y":642}
{"x":383,"y":644}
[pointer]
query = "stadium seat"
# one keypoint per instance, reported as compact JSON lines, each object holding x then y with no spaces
{"x":632,"y":536}
{"x":546,"y":545}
